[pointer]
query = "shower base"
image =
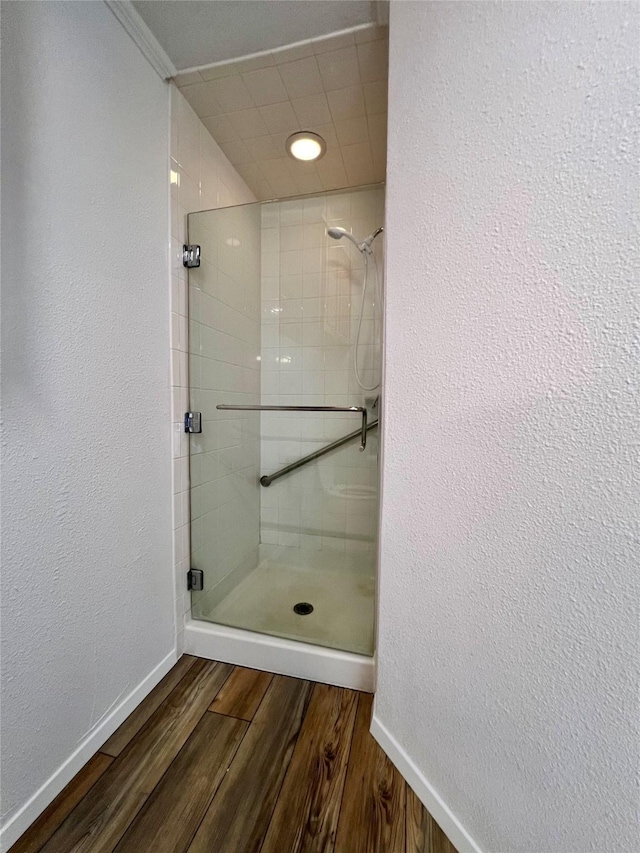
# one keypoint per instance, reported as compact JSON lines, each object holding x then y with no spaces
{"x":339,"y":587}
{"x":275,"y":654}
{"x":256,"y":624}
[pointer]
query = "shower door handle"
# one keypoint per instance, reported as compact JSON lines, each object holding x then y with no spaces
{"x":362,"y":410}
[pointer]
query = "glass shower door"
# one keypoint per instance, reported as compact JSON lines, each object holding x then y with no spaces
{"x":286,"y":547}
{"x":224,"y":367}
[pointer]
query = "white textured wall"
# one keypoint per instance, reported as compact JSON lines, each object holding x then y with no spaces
{"x":87,"y":586}
{"x":202,"y":178}
{"x":508,"y":634}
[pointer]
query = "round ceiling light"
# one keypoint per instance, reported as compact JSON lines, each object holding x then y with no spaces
{"x":306,"y":145}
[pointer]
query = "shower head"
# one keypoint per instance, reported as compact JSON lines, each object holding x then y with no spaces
{"x":337,"y":233}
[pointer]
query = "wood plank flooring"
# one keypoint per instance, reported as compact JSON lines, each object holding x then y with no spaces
{"x":374,"y":795}
{"x":223,"y":759}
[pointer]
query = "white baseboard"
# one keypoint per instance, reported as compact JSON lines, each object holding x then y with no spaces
{"x":276,"y":654}
{"x":23,"y":818}
{"x":426,"y":793}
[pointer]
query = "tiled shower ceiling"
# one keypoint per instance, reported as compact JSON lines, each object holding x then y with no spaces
{"x":335,"y":86}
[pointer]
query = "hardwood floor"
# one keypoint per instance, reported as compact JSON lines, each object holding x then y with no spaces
{"x":222,"y":759}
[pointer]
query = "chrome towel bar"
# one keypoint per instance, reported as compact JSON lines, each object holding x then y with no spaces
{"x":362,"y":410}
{"x":267,"y":479}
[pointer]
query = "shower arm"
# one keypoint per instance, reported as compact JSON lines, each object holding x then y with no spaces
{"x":362,"y":410}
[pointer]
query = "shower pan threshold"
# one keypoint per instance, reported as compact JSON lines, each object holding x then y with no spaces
{"x":279,"y":655}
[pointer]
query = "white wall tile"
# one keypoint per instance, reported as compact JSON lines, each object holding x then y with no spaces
{"x":202,"y":178}
{"x":346,"y":103}
{"x":265,"y":86}
{"x":339,"y":68}
{"x":248,"y":123}
{"x":301,"y":78}
{"x":312,"y":110}
{"x":310,"y":362}
{"x":373,"y":58}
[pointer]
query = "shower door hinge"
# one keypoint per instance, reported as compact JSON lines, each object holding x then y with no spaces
{"x":191,"y":256}
{"x":193,"y":422}
{"x":195,"y":580}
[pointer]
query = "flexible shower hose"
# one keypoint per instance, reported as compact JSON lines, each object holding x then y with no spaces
{"x":366,"y":254}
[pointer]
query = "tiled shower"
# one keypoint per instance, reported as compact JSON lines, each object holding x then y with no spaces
{"x":201,"y":178}
{"x":311,"y":287}
{"x":273,"y":315}
{"x":270,"y":318}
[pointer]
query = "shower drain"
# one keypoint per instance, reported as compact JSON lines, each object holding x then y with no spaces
{"x":303,"y":608}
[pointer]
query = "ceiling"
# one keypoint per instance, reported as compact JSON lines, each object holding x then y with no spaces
{"x":335,"y":86}
{"x":200,"y":32}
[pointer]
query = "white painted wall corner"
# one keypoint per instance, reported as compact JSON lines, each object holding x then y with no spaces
{"x":23,"y":819}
